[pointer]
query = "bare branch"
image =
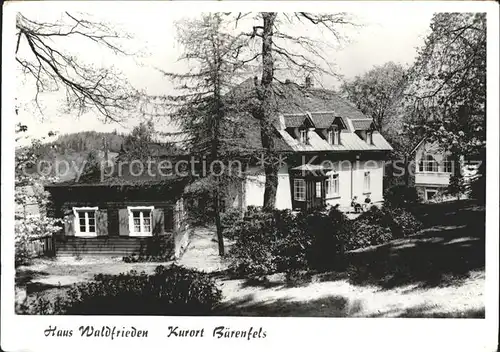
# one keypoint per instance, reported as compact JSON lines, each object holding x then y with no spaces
{"x":86,"y":88}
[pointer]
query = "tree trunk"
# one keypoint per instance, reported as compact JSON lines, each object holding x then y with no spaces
{"x":407,"y":171}
{"x":266,"y":109}
{"x":218,"y":116}
{"x":218,"y":224}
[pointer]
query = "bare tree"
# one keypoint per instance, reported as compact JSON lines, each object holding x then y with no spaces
{"x":282,"y":49}
{"x":40,"y":51}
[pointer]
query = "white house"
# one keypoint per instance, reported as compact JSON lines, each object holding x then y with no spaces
{"x":433,"y":168}
{"x":328,"y":152}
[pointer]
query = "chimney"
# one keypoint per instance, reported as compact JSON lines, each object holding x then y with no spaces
{"x":288,"y":81}
{"x":309,"y":83}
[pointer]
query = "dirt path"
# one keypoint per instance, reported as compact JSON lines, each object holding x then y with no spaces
{"x":339,"y":298}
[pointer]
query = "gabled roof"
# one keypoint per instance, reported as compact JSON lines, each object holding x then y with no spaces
{"x":362,"y":124}
{"x":293,"y":104}
{"x":417,"y":146}
{"x":298,"y":120}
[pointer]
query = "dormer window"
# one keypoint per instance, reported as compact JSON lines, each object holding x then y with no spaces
{"x":369,"y":137}
{"x":333,"y":136}
{"x":303,"y":136}
{"x":336,"y":136}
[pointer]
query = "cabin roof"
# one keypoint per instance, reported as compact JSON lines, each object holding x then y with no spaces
{"x":125,"y":175}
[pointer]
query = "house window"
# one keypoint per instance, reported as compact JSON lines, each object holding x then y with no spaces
{"x":334,"y":136}
{"x":369,"y":137}
{"x":447,"y":165}
{"x":85,"y":221}
{"x":318,"y":189}
{"x":332,"y":186}
{"x":140,"y":221}
{"x":430,"y":164}
{"x":299,"y":189}
{"x":366,"y":182}
{"x":303,"y":136}
{"x":430,"y":193}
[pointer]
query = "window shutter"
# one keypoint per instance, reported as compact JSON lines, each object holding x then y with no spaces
{"x":69,"y":225}
{"x":123,"y":220}
{"x":169,"y":219}
{"x":158,"y":222}
{"x":102,"y":222}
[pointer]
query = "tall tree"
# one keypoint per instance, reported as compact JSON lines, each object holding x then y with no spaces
{"x":42,"y":54}
{"x":284,"y":49}
{"x":201,"y":108}
{"x":376,"y":91}
{"x":447,"y":90}
{"x":136,"y":145}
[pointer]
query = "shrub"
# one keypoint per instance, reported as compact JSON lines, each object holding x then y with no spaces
{"x":169,"y":291}
{"x":404,"y":223}
{"x":229,"y":219}
{"x":253,"y":252}
{"x":323,"y":238}
{"x":26,"y":230}
{"x":371,"y":228}
{"x":365,"y":234}
{"x":401,"y":196}
{"x":279,"y":241}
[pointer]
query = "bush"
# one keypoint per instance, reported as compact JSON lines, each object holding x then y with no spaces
{"x":371,"y":228}
{"x":229,"y":219}
{"x":254,"y":249}
{"x":404,"y":223}
{"x":279,"y":241}
{"x":169,"y":291}
{"x":323,"y":233}
{"x":401,"y":196}
{"x":365,"y":234}
{"x":26,"y":230}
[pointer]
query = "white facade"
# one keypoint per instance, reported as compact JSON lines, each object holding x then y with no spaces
{"x":433,"y":169}
{"x":359,"y":178}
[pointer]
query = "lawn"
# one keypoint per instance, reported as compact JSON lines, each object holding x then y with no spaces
{"x":438,"y":272}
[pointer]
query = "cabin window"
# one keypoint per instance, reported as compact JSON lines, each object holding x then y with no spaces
{"x":366,"y":182}
{"x":85,"y":221}
{"x":332,"y":185}
{"x":299,"y":189}
{"x":140,"y":221}
{"x":303,"y":136}
{"x":330,"y":137}
{"x":318,"y":189}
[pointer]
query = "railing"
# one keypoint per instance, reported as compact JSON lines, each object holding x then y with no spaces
{"x":43,"y":246}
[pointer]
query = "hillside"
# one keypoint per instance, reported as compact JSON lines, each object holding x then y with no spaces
{"x":68,"y":152}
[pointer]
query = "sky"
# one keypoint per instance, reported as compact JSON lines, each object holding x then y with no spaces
{"x":389,"y":35}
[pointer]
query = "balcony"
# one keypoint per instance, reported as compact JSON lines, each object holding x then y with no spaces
{"x":433,"y":173}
